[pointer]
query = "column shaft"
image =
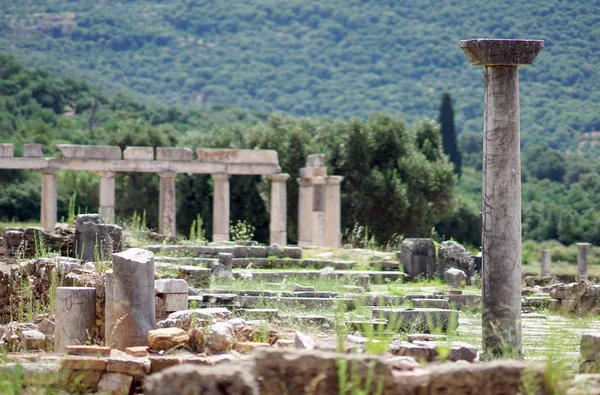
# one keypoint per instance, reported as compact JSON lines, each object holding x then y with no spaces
{"x":318,"y":214}
{"x":333,"y":214}
{"x":501,"y":230}
{"x":75,"y":316}
{"x":167,"y":204}
{"x":546,"y":261}
{"x":107,"y":196}
{"x":582,"y":261}
{"x":278,"y":225}
{"x":48,"y":205}
{"x":305,"y":209}
{"x":221,"y":207}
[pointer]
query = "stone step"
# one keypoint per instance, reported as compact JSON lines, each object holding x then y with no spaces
{"x":238,"y":251}
{"x":377,"y":277}
{"x":255,"y":301}
{"x":457,"y":301}
{"x":421,"y":320}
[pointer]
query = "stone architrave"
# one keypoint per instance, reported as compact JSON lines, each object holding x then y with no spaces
{"x":582,"y":261}
{"x":130,"y":310}
{"x":546,"y":262}
{"x":167,"y":204}
{"x":278,"y":224}
{"x":107,"y":196}
{"x":48,"y":207}
{"x":75,"y":316}
{"x":220,"y":207}
{"x":333,"y":214}
{"x":501,"y":227}
{"x":305,"y":207}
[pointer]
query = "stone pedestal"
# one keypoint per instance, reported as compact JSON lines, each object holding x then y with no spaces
{"x":582,"y":261}
{"x":278,"y":225}
{"x":333,"y":212}
{"x":546,"y":259}
{"x":305,"y":208}
{"x":130,"y":299}
{"x":95,"y":241}
{"x":107,"y":196}
{"x":221,"y":207}
{"x":418,"y":257}
{"x":167,"y":204}
{"x":48,"y":204}
{"x":75,"y":316}
{"x":501,"y":228}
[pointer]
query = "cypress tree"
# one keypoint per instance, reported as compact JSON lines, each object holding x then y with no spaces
{"x":446,"y":121}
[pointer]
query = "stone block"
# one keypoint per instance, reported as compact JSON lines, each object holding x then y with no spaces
{"x":196,"y":277}
{"x":228,"y":378}
{"x":6,"y":151}
{"x":166,"y":338}
{"x":103,"y":152}
{"x":171,"y":286}
{"x":174,"y":154}
{"x":32,"y":151}
{"x":115,"y":384}
{"x":590,"y":346}
{"x":183,"y":319}
{"x":418,"y":257}
{"x":83,"y":363}
{"x":257,"y":252}
{"x":139,"y":351}
{"x":82,"y":381}
{"x":292,"y":252}
{"x":138,"y":153}
{"x":32,"y":340}
{"x":315,"y":160}
{"x":237,"y":156}
{"x":93,"y":240}
{"x":312,"y":172}
{"x":431,"y":303}
{"x":171,"y":302}
{"x":89,"y":351}
{"x":128,"y":365}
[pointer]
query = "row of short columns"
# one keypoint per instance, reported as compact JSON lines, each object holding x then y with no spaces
{"x":582,"y":261}
{"x":167,"y":203}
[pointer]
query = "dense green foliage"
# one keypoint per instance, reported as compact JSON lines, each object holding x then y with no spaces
{"x":308,"y":58}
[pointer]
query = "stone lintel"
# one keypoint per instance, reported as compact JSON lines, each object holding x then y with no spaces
{"x":238,"y":156}
{"x":493,"y":52}
{"x":280,"y":177}
{"x":174,"y":154}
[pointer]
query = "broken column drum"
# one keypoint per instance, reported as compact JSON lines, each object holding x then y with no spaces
{"x":501,"y":203}
{"x":130,"y":299}
{"x":48,"y":206}
{"x":582,"y":261}
{"x":75,"y":316}
{"x":546,"y":261}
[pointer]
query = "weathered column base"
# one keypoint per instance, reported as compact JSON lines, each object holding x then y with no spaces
{"x":75,"y":316}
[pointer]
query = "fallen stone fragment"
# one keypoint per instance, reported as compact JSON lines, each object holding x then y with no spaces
{"x":303,"y":341}
{"x":139,"y":351}
{"x":455,"y":277}
{"x":220,"y":337}
{"x":302,"y":288}
{"x":590,"y":346}
{"x":115,"y":383}
{"x":32,"y":340}
{"x":166,"y":338}
{"x":183,"y":319}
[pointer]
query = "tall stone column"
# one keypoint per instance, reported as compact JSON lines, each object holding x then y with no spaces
{"x":130,"y":307}
{"x":107,"y":196}
{"x":220,"y":207}
{"x":501,"y":228}
{"x":48,"y":207}
{"x":318,"y":214}
{"x":333,"y":214}
{"x":278,"y":225}
{"x":582,"y":261}
{"x":75,"y":316}
{"x":546,"y":260}
{"x":167,"y":204}
{"x":305,"y":209}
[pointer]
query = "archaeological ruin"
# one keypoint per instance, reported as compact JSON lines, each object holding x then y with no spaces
{"x":95,"y":307}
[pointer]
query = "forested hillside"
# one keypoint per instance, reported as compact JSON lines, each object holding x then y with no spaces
{"x":337,"y":58}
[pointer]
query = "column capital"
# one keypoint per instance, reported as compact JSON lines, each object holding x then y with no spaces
{"x":493,"y":52}
{"x":220,"y":176}
{"x":49,"y":171}
{"x":107,"y":174}
{"x":583,"y":245}
{"x":279,"y":177}
{"x":334,"y":180}
{"x":167,"y":174}
{"x":304,"y":182}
